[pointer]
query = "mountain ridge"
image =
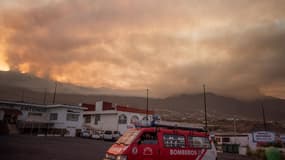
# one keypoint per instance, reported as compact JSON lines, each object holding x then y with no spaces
{"x":183,"y":105}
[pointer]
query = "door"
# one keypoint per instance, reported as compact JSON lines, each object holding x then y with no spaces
{"x":148,"y":147}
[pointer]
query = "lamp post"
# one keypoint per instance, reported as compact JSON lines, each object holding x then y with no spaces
{"x":235,"y":129}
{"x":263,"y":116}
{"x":54,"y":94}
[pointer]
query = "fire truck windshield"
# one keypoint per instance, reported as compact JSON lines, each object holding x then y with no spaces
{"x":128,"y":137}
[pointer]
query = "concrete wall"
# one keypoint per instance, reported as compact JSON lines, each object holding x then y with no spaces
{"x":109,"y":119}
{"x":41,"y":114}
{"x":123,"y":127}
{"x":99,"y":106}
{"x":62,"y":121}
{"x":109,"y":122}
{"x":33,"y":116}
{"x":242,"y":141}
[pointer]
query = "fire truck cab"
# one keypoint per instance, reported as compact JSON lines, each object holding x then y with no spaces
{"x":160,"y":142}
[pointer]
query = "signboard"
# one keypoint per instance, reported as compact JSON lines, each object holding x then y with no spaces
{"x":282,"y":138}
{"x":263,"y":136}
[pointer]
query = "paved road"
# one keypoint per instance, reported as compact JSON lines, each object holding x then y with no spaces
{"x":51,"y":148}
{"x":228,"y":156}
{"x":61,"y":148}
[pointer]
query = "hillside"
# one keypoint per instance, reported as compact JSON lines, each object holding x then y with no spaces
{"x":19,"y":87}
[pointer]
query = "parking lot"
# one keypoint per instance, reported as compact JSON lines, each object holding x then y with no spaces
{"x":22,"y":147}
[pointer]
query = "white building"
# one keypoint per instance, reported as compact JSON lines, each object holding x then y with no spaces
{"x":107,"y":116}
{"x":41,"y":119}
{"x":67,"y":117}
{"x":242,"y":140}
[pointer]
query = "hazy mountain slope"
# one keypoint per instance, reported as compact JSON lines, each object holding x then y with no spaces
{"x":191,"y":106}
{"x":16,"y":79}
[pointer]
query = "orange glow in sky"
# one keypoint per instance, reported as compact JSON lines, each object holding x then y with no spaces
{"x":171,"y":47}
{"x":3,"y":64}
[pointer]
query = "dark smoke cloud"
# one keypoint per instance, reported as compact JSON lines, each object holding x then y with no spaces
{"x":235,"y":47}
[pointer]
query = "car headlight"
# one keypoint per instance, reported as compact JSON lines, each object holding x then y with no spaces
{"x":109,"y":156}
{"x":122,"y":157}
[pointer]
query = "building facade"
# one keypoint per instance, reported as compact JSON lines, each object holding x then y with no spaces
{"x":38,"y":119}
{"x":68,"y":120}
{"x":107,"y":116}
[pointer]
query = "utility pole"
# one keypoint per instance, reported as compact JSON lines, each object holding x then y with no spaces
{"x":147,"y":104}
{"x":263,"y":116}
{"x":235,"y":129}
{"x":205,"y":107}
{"x":54,"y":94}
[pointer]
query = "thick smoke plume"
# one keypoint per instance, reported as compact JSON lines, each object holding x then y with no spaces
{"x":172,"y":47}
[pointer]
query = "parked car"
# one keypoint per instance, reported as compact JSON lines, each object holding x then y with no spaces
{"x":111,"y":135}
{"x":108,"y":135}
{"x":97,"y":135}
{"x":85,"y":134}
{"x":116,"y":135}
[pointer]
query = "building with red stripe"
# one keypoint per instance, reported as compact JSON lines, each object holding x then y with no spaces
{"x":108,"y":116}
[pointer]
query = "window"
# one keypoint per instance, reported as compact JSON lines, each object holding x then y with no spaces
{"x":122,"y":119}
{"x":171,"y":140}
{"x":134,"y":119}
{"x":148,"y":138}
{"x":53,"y":116}
{"x":87,"y":118}
{"x":72,"y":117}
{"x":144,"y":118}
{"x":199,"y":142}
{"x":97,"y":118}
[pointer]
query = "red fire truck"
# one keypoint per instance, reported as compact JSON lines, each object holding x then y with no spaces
{"x":163,"y":143}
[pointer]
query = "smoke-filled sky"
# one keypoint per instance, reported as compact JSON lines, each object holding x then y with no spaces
{"x":170,"y":46}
